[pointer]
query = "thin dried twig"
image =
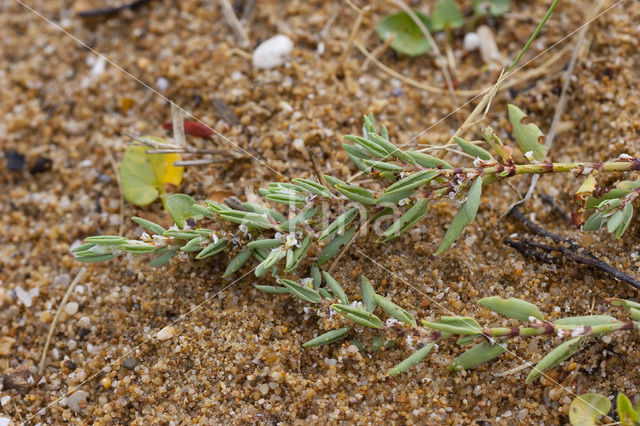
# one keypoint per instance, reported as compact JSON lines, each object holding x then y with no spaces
{"x":569,"y":248}
{"x":352,"y":36}
{"x":75,"y":281}
{"x":379,"y":51}
{"x":234,"y":23}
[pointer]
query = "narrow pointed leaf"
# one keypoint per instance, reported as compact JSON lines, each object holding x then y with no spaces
{"x":298,"y":254}
{"x":479,"y":354}
{"x":455,"y":325}
{"x":328,"y":337}
{"x":164,"y":257}
{"x":412,"y":360}
{"x":358,"y":315}
{"x":429,"y":161}
{"x":265,"y":244}
{"x":335,"y":288}
{"x":316,"y":276}
{"x":304,"y":293}
{"x":394,"y":310}
{"x":555,"y":357}
{"x":237,"y":262}
{"x":412,"y":181}
{"x":512,"y":308}
{"x":407,"y":220}
{"x":313,"y":187}
{"x":368,"y":294}
{"x":588,"y":320}
{"x":148,"y":225}
{"x":340,"y":223}
{"x":272,"y":289}
{"x":212,"y":249}
{"x":473,"y":149}
{"x":335,"y":245}
{"x":465,"y":216}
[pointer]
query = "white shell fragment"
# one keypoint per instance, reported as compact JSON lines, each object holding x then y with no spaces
{"x":166,"y":333}
{"x":272,"y":52}
{"x":471,"y":41}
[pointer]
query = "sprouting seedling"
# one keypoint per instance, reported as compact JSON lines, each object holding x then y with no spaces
{"x":587,"y":409}
{"x":144,"y":176}
{"x":446,"y":16}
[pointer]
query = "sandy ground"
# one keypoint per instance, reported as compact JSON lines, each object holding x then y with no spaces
{"x":237,"y":357}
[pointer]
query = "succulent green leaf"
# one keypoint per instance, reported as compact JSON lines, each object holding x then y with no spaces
{"x":528,"y":135}
{"x":473,"y":149}
{"x":446,"y":15}
{"x":493,"y":7}
{"x":237,"y":262}
{"x":627,"y":215}
{"x":109,"y":240}
{"x":555,"y":357}
{"x":180,"y":207}
{"x":412,"y":181}
{"x":614,"y":221}
{"x":390,"y":148}
{"x":383,"y":166}
{"x":328,"y":337}
{"x":95,"y":259}
{"x":289,"y":199}
{"x":358,"y":315}
{"x":628,"y":304}
{"x":455,"y":325}
{"x":587,"y":408}
{"x":316,"y":276}
{"x":253,"y":220}
{"x":409,"y":39}
{"x":148,"y":225}
{"x":340,"y":223}
{"x":212,"y":249}
{"x":137,"y":248}
{"x":465,"y":216}
{"x":368,"y":294}
{"x":335,"y":288}
{"x":304,"y":293}
{"x":512,"y":308}
{"x":429,"y":161}
{"x":291,"y":224}
{"x":335,"y":245}
{"x":628,"y":416}
{"x":635,"y":314}
{"x":265,"y":244}
{"x":479,"y":354}
{"x":394,"y":310}
{"x":407,"y":220}
{"x":165,"y":255}
{"x":313,"y":187}
{"x":357,"y":194}
{"x":298,"y":254}
{"x":369,"y":146}
{"x":587,"y":320}
{"x":272,"y":289}
{"x":412,"y":360}
{"x":256,"y":208}
{"x":595,"y":222}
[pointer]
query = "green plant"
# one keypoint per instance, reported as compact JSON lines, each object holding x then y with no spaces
{"x":409,"y":39}
{"x":144,"y":176}
{"x":587,"y":408}
{"x":330,"y":215}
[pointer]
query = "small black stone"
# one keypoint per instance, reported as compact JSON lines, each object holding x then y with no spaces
{"x":15,"y":161}
{"x":129,"y":363}
{"x":41,"y":165}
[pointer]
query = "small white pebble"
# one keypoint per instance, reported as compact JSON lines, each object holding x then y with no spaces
{"x":166,"y":333}
{"x":471,"y":42}
{"x":84,"y":322}
{"x":264,"y":388}
{"x":5,"y":400}
{"x":272,"y":52}
{"x":71,"y":308}
{"x":162,"y":84}
{"x":4,"y":421}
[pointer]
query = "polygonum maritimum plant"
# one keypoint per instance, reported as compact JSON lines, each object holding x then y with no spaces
{"x":331,"y":213}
